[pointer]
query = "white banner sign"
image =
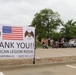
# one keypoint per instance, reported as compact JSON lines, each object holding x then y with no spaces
{"x":17,"y":42}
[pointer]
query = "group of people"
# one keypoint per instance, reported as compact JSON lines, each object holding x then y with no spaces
{"x":54,"y":44}
{"x":59,"y":44}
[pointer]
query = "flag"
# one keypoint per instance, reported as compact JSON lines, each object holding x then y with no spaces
{"x":62,"y":39}
{"x":12,"y":33}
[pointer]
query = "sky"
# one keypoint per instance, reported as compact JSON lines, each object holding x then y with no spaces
{"x":21,"y":12}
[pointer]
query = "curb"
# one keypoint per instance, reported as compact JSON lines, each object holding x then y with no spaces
{"x":38,"y":61}
{"x":33,"y":65}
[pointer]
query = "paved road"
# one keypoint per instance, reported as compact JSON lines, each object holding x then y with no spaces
{"x":58,"y":69}
{"x":55,"y":52}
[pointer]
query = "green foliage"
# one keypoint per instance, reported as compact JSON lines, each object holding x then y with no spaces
{"x":38,"y":45}
{"x":57,"y":36}
{"x":69,"y":30}
{"x":45,"y":22}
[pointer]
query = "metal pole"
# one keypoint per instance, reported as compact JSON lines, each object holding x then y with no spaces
{"x":34,"y":47}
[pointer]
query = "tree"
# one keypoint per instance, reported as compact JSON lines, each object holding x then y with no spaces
{"x":45,"y":22}
{"x":69,"y":29}
{"x":57,"y":36}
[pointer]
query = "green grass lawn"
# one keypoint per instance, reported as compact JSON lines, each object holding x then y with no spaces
{"x":38,"y":45}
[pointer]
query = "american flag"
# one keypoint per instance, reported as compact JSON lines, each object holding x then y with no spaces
{"x":12,"y":33}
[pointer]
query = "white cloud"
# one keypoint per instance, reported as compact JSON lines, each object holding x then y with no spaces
{"x":21,"y":12}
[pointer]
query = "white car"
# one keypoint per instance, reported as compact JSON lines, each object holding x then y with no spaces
{"x":72,"y":43}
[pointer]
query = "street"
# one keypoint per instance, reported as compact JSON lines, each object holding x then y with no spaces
{"x":68,"y":68}
{"x":55,"y":52}
{"x":49,"y":69}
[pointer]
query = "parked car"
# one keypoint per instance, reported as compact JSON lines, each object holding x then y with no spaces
{"x":72,"y":43}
